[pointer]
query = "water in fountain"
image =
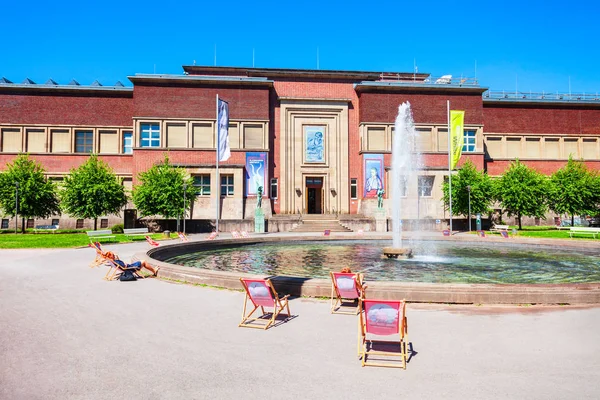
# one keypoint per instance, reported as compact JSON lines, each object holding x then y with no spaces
{"x":406,"y":161}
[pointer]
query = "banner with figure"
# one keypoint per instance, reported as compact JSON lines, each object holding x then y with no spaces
{"x":256,"y":165}
{"x":373,"y":173}
{"x":223,"y":130}
{"x":456,"y":136}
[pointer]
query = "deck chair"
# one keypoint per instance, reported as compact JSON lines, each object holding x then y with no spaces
{"x":100,"y":255}
{"x":117,"y":269}
{"x":327,"y":232}
{"x":360,"y":232}
{"x":504,"y":234}
{"x":183,"y":237}
{"x":383,"y":318}
{"x":346,"y":286}
{"x":212,"y":236}
{"x":262,"y":294}
{"x":152,"y":242}
{"x":481,"y":233}
{"x":235,"y":234}
{"x":244,"y":234}
{"x":446,"y":232}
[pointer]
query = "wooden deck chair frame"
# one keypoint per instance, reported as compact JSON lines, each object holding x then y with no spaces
{"x":337,"y":299}
{"x":100,"y":258}
{"x":116,"y":270}
{"x":279,"y":304}
{"x":395,"y":359}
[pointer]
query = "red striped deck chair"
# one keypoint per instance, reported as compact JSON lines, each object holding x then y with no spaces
{"x":481,"y":233}
{"x":235,"y":234}
{"x":182,"y":237}
{"x":100,"y":255}
{"x":212,"y":236}
{"x":383,"y":318}
{"x":152,"y":242}
{"x":244,"y":234}
{"x":344,"y":287}
{"x":261,"y":294}
{"x":504,"y":234}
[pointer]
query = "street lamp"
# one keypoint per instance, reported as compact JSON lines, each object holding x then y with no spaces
{"x":469,"y":191}
{"x":16,"y":206}
{"x":184,"y":208}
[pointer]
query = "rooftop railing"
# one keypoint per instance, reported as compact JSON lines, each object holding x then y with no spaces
{"x":546,"y":96}
{"x":430,"y":80}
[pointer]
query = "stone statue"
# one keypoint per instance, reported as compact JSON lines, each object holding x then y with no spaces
{"x":259,"y":193}
{"x":380,"y":194}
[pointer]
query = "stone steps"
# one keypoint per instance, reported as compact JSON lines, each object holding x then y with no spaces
{"x":320,"y":225}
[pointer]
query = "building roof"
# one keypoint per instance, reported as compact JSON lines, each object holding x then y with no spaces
{"x":323,"y":74}
{"x":51,"y":85}
{"x":199,"y":80}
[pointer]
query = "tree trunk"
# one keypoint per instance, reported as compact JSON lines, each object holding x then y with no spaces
{"x":572,"y":219}
{"x":519,"y":216}
{"x":22,"y":224}
{"x":95,"y":224}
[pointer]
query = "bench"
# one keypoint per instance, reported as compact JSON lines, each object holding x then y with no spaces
{"x":136,"y":232}
{"x":52,"y":228}
{"x":584,"y":231}
{"x":498,"y":228}
{"x":96,"y":236}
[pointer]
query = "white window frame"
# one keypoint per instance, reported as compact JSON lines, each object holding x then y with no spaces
{"x":422,"y":179}
{"x":127,"y":145}
{"x":202,"y":186}
{"x":152,"y":130}
{"x":469,"y":146}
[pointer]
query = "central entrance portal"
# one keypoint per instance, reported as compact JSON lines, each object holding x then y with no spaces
{"x":314,"y":195}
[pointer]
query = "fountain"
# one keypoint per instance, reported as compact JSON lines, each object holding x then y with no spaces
{"x":405,"y":163}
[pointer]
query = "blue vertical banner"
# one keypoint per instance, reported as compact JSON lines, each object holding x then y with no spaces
{"x":223,"y":130}
{"x":256,"y":165}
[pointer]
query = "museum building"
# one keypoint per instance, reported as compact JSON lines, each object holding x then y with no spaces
{"x":318,"y":141}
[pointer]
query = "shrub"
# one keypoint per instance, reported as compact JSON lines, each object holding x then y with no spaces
{"x":118,"y":228}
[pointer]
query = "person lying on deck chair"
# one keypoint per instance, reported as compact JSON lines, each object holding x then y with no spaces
{"x":137,"y":265}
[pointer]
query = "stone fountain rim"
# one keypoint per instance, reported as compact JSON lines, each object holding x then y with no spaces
{"x":462,"y":293}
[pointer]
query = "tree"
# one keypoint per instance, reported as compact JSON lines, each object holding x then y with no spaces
{"x":37,"y":194}
{"x":92,"y":190}
{"x":573,"y":190}
{"x":160,"y":191}
{"x":522,"y":191}
{"x":481,"y":191}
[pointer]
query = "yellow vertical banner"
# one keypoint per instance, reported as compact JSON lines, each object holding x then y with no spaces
{"x":457,"y":119}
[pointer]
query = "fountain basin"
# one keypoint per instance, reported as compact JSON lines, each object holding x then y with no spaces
{"x":395,"y":279}
{"x":397,"y":252}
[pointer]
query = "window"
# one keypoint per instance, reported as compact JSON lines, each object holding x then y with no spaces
{"x":353,"y":188}
{"x":403,"y":186}
{"x":227,"y":185}
{"x":4,"y":224}
{"x":79,"y":224}
{"x":274,"y":188}
{"x":469,"y":141}
{"x":202,"y":184}
{"x":30,"y":223}
{"x":84,"y":141}
{"x":127,"y":142}
{"x":104,"y":223}
{"x":425,"y":185}
{"x":150,"y":135}
{"x":54,"y":221}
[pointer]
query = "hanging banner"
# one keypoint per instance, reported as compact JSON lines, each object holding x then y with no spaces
{"x":223,"y":130}
{"x":256,"y":165}
{"x":373,"y":174}
{"x":456,"y":136}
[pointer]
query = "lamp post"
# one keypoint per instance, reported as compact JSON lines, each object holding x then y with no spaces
{"x":469,"y":191}
{"x":16,"y":206}
{"x":184,"y":208}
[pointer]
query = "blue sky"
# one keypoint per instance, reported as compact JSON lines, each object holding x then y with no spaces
{"x":528,"y":45}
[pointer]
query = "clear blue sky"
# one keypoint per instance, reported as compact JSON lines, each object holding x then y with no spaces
{"x":534,"y":45}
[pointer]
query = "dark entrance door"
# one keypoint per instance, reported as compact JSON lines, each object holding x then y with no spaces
{"x":129,"y":219}
{"x":314,"y":195}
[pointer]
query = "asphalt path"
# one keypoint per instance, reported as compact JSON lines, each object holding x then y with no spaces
{"x":65,"y":333}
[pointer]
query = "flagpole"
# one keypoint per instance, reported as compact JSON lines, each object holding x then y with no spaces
{"x":449,"y":166}
{"x":217,"y":146}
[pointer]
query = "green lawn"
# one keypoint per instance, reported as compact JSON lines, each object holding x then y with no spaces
{"x":543,"y":232}
{"x":60,"y":240}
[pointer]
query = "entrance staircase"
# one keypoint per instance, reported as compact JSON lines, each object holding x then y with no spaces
{"x":319,"y":223}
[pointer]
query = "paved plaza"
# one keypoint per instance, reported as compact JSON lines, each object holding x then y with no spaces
{"x":65,"y":333}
